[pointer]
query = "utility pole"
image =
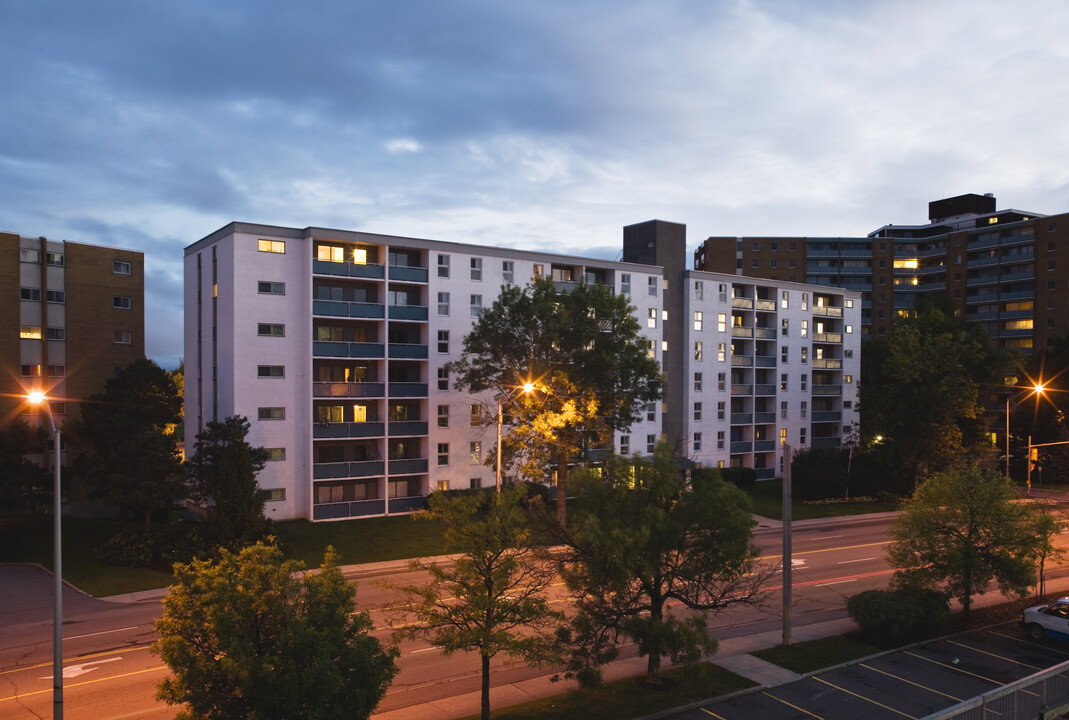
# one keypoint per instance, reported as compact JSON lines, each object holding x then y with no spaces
{"x":787,"y":576}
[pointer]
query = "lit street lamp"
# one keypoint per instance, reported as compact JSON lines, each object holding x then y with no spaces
{"x":1036,"y":389}
{"x":526,"y":388}
{"x":37,"y":397}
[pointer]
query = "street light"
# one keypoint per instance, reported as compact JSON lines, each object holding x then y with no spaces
{"x":37,"y":397}
{"x":526,"y":389}
{"x":1036,"y":389}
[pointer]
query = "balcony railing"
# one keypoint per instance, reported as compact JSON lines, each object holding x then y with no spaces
{"x":741,"y":332}
{"x":741,"y":418}
{"x":827,"y":363}
{"x":348,"y":390}
{"x":741,"y":360}
{"x":764,"y":333}
{"x":764,"y":418}
{"x":408,"y":466}
{"x":828,"y":337}
{"x":347,"y":269}
{"x":400,"y":428}
{"x":742,"y":302}
{"x":359,"y":508}
{"x":408,"y":274}
{"x":764,"y":390}
{"x":741,"y":389}
{"x":407,"y":350}
{"x":741,"y":447}
{"x":407,"y":389}
{"x":769,"y":305}
{"x":827,"y":389}
{"x":827,"y":311}
{"x":827,"y":416}
{"x":348,"y":429}
{"x":408,"y":312}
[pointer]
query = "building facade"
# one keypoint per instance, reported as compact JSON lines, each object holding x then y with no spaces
{"x":1004,"y":269}
{"x":335,"y":344}
{"x":77,"y":312}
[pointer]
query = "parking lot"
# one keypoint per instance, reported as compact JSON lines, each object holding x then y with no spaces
{"x":908,"y":683}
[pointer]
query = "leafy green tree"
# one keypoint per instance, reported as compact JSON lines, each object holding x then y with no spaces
{"x":491,"y":600}
{"x":127,"y":448}
{"x":222,"y":473}
{"x":24,"y":485}
{"x":248,"y":637}
{"x":1046,"y":527}
{"x":584,"y":352}
{"x":645,"y":536}
{"x":962,"y":529}
{"x":921,"y":388}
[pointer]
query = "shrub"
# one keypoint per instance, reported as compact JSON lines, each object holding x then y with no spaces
{"x":739,"y":476}
{"x":896,"y":616}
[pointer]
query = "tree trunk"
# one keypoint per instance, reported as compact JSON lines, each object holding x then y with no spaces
{"x":562,"y":491}
{"x":653,"y":663}
{"x":485,"y":700}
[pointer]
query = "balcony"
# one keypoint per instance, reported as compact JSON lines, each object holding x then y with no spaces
{"x":825,"y":442}
{"x":827,"y":389}
{"x":359,"y":508}
{"x":408,"y":466}
{"x":741,"y":418}
{"x":764,"y":418}
{"x":366,"y":468}
{"x":347,"y":390}
{"x":827,"y":364}
{"x":741,"y":332}
{"x":407,"y":389}
{"x":764,"y":390}
{"x":827,"y":311}
{"x":765,"y":361}
{"x":406,"y":350}
{"x":827,"y":416}
{"x":742,"y":302}
{"x":765,"y":473}
{"x":329,"y":430}
{"x":828,"y":337}
{"x":741,"y":389}
{"x":740,"y":447}
{"x":764,"y":446}
{"x":339,"y":308}
{"x":408,"y":274}
{"x":766,"y":305}
{"x":401,"y":428}
{"x":407,"y":505}
{"x":408,"y":312}
{"x":741,"y":360}
{"x":347,"y":269}
{"x":764,"y":333}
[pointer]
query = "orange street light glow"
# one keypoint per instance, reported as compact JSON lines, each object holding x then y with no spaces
{"x":36,"y":397}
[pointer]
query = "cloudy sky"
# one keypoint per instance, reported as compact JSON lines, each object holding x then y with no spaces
{"x":548,"y":124}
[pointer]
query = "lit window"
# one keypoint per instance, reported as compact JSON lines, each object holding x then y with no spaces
{"x":123,"y":337}
{"x":721,"y":322}
{"x":273,"y":246}
{"x":849,"y":329}
{"x":784,"y":299}
{"x":119,"y":267}
{"x":625,"y":445}
{"x":30,"y":332}
{"x":783,"y":381}
{"x":721,"y":352}
{"x":271,"y":413}
{"x":805,"y":328}
{"x":848,"y":379}
{"x":122,"y":302}
{"x":805,"y":301}
{"x":475,"y":452}
{"x":359,"y":256}
{"x":331,"y":253}
{"x":906,"y":264}
{"x":651,"y":317}
{"x":848,"y":303}
{"x":330,"y":413}
{"x":782,"y":436}
{"x":271,"y":329}
{"x":31,"y":371}
{"x":276,"y":453}
{"x":476,"y":415}
{"x":805,"y":354}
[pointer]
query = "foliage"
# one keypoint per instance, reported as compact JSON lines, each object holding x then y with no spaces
{"x":246,"y":637}
{"x":896,"y":616}
{"x":584,"y":352}
{"x":648,"y":537}
{"x":742,"y":477}
{"x":921,"y":388}
{"x":819,"y":473}
{"x":222,"y":473}
{"x":1046,"y":527}
{"x":175,"y":542}
{"x":961,"y":530}
{"x":24,"y":486}
{"x":127,"y":449}
{"x":492,"y":598}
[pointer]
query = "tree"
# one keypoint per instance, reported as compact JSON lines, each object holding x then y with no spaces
{"x":1046,"y":527}
{"x":491,"y":599}
{"x":584,"y":352}
{"x":921,"y":388}
{"x":23,"y":484}
{"x":247,"y":637}
{"x":647,"y":536}
{"x":222,"y":473}
{"x":128,"y":448}
{"x":961,"y":530}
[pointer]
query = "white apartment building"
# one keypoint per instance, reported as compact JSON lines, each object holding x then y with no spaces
{"x":333,"y":344}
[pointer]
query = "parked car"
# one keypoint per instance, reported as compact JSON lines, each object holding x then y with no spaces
{"x":1047,"y":620}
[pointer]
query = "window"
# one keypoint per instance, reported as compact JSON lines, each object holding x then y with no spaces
{"x":443,"y":303}
{"x":271,"y":413}
{"x":783,"y":410}
{"x":625,"y":445}
{"x":805,"y":355}
{"x":698,"y":319}
{"x":271,"y":288}
{"x":805,"y":328}
{"x":476,"y":305}
{"x":697,"y":382}
{"x":782,"y":436}
{"x":755,"y":246}
{"x":27,"y":255}
{"x":325,"y":333}
{"x":721,"y":352}
{"x":57,"y":333}
{"x":33,"y":294}
{"x":848,"y":379}
{"x":270,"y":371}
{"x":721,"y":322}
{"x":507,"y":272}
{"x":30,"y":332}
{"x":443,"y":378}
{"x":443,"y":454}
{"x":699,"y":290}
{"x":804,"y":380}
{"x":538,"y":270}
{"x":276,"y":453}
{"x":784,"y":301}
{"x":122,"y":337}
{"x":848,"y":353}
{"x":698,"y":350}
{"x":443,"y":341}
{"x":785,"y":327}
{"x":1050,"y":226}
{"x":651,"y":412}
{"x":697,"y":411}
{"x":475,"y":483}
{"x":625,"y":283}
{"x":122,"y":302}
{"x":721,"y":381}
{"x":651,"y":444}
{"x":1051,"y":264}
{"x":55,"y":296}
{"x":848,"y":303}
{"x":697,"y":442}
{"x":475,"y":452}
{"x":476,"y":412}
{"x":805,"y":301}
{"x":721,"y":408}
{"x":443,"y":266}
{"x":849,"y":329}
{"x":755,"y":263}
{"x":783,"y":381}
{"x":330,"y":253}
{"x":801,"y":436}
{"x":273,"y":246}
{"x":54,"y":259}
{"x":651,"y":352}
{"x":783,"y":354}
{"x":719,"y":439}
{"x":56,"y":371}
{"x":443,"y":416}
{"x":651,"y":285}
{"x":476,"y":268}
{"x":271,"y":329}
{"x":119,"y":267}
{"x":31,"y":371}
{"x":804,"y":408}
{"x":273,"y":494}
{"x":773,"y":263}
{"x":651,"y":317}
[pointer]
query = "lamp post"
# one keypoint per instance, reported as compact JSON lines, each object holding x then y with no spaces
{"x":526,"y":388}
{"x":1036,"y":389}
{"x":37,"y":397}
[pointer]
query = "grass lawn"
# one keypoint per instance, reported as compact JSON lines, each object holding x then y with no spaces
{"x":361,"y":541}
{"x":813,"y":655}
{"x":624,"y":699}
{"x":767,"y":499}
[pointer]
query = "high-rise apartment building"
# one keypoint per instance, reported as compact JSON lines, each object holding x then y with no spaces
{"x":335,"y":345}
{"x":1004,"y":269}
{"x":74,"y":313}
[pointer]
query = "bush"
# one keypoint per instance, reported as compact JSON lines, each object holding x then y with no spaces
{"x":178,"y":542}
{"x":739,"y":476}
{"x":896,"y":616}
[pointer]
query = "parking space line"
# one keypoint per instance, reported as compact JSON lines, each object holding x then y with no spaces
{"x":1029,"y":642}
{"x":1000,"y":657}
{"x":792,"y":705}
{"x":862,"y":697}
{"x":910,"y":682}
{"x":953,"y":667}
{"x":710,"y":712}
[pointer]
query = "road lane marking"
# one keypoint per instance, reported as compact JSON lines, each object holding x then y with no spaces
{"x":862,"y":697}
{"x":102,"y":632}
{"x":73,"y":671}
{"x":422,"y":650}
{"x":902,"y":679}
{"x":955,"y":668}
{"x":67,"y":686}
{"x":1000,"y":657}
{"x":791,"y":705}
{"x":836,"y":582}
{"x":834,"y":549}
{"x":102,"y":653}
{"x":845,"y":562}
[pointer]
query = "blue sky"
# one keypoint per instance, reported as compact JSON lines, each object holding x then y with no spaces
{"x":147,"y":125}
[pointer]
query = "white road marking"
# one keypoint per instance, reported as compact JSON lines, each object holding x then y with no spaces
{"x":844,"y":562}
{"x":73,"y":671}
{"x":422,"y":650}
{"x":102,"y":632}
{"x":837,"y":582}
